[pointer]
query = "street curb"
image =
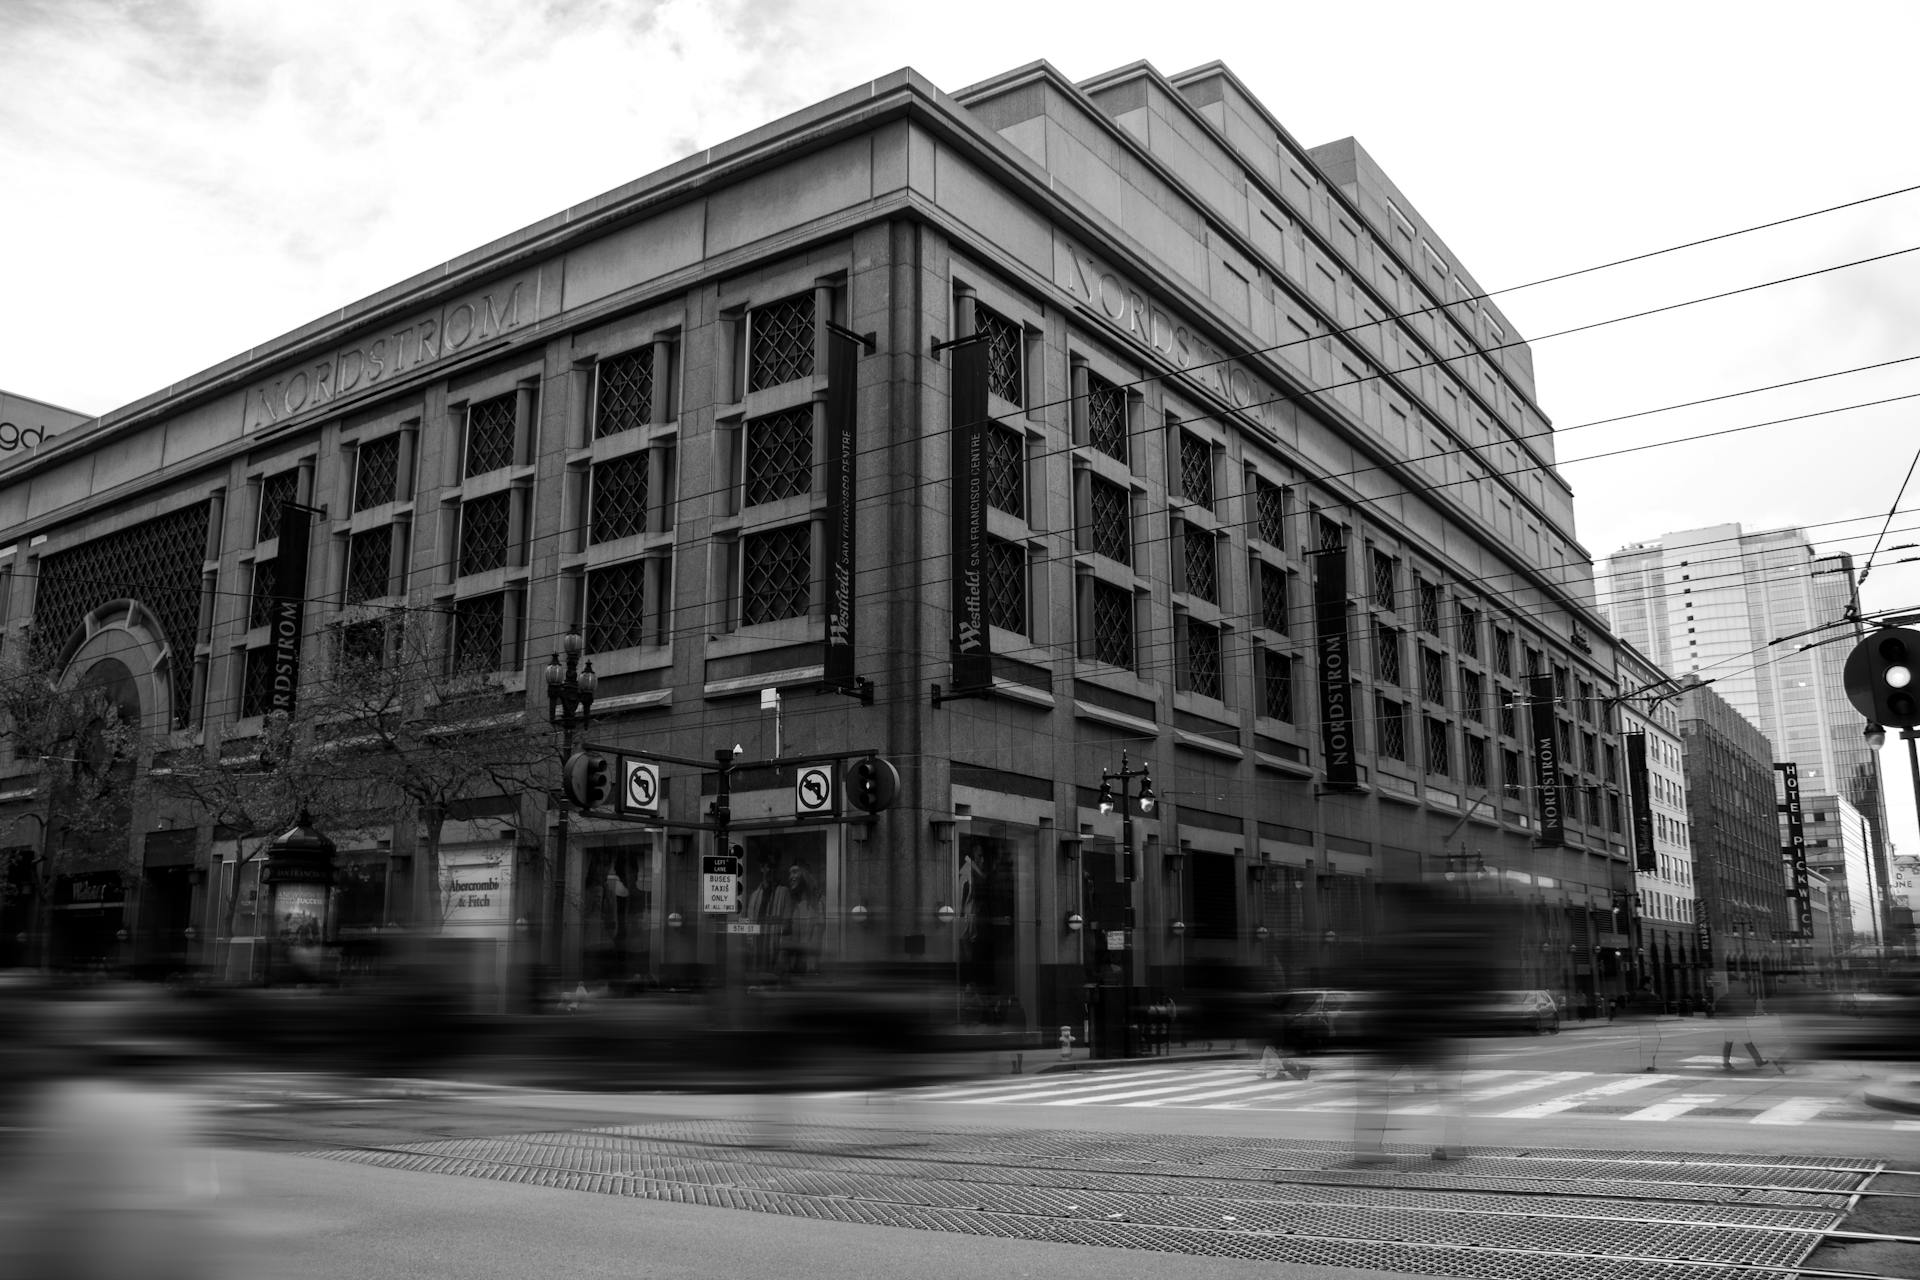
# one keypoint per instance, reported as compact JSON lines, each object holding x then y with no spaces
{"x":1895,"y":1095}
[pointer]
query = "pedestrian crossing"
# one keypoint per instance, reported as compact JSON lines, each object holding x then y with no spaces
{"x":1495,"y":1093}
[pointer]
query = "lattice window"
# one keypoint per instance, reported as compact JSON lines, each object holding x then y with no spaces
{"x":256,"y":682}
{"x":1613,"y":812}
{"x":1112,"y":521}
{"x":1332,"y":536}
{"x":619,"y":498}
{"x":1277,"y":687}
{"x":1476,"y":759}
{"x":484,"y":524}
{"x":780,"y":342}
{"x":1509,"y":717}
{"x":1511,"y":781}
{"x":370,"y":564}
{"x":157,"y":563}
{"x":623,"y":392}
{"x":1439,"y":743}
{"x":776,"y":574}
{"x":490,"y":435}
{"x":1386,"y":655}
{"x":1584,"y":708}
{"x":1196,"y":470}
{"x":780,"y":455}
{"x":1433,"y":675}
{"x":1588,"y":753}
{"x":1113,"y":625}
{"x":1611,"y":762}
{"x":1469,"y":631}
{"x":362,"y":643}
{"x":1383,"y":570}
{"x":1430,"y":608}
{"x":617,"y":607}
{"x":275,"y":492}
{"x":1006,"y":585}
{"x":1273,"y":597}
{"x":1203,"y":659}
{"x":1006,"y":478}
{"x":1106,"y":417}
{"x":1270,"y":513}
{"x":376,"y":472}
{"x":1472,"y":695}
{"x":260,"y":611}
{"x":1560,"y":685}
{"x":1503,"y":652}
{"x":477,"y":625}
{"x":1005,"y":353}
{"x":1201,"y":553}
{"x":1391,"y":719}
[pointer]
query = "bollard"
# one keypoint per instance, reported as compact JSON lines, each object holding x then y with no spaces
{"x":1016,"y":1064}
{"x":1066,"y":1042}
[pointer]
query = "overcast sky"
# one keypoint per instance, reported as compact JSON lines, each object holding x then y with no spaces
{"x":182,"y":180}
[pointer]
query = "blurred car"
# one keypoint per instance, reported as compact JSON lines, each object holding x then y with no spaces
{"x":1319,"y":1020}
{"x":1504,"y":1011}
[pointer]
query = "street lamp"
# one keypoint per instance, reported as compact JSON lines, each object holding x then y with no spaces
{"x":1126,"y":803}
{"x":570,"y":692}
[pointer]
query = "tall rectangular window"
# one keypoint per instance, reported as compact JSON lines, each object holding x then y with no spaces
{"x":484,"y":524}
{"x":1509,"y":725}
{"x":1106,"y":417}
{"x":1006,"y":354}
{"x":1203,"y":659}
{"x":1386,"y":654}
{"x":780,"y":342}
{"x":1276,"y":690}
{"x":1203,"y":579}
{"x":1006,"y":585}
{"x":256,"y":681}
{"x":1439,"y":738}
{"x":260,"y":610}
{"x":1433,"y":675}
{"x":1270,"y":514}
{"x":1196,"y":469}
{"x":1429,"y":608}
{"x":1273,"y":597}
{"x":619,"y":498}
{"x":1472,"y":695}
{"x":369,"y":564}
{"x":1469,"y":631}
{"x":616,"y":609}
{"x":1476,"y":760}
{"x":376,"y":472}
{"x":1112,"y":521}
{"x":623,"y":392}
{"x":1006,"y":471}
{"x":275,"y":492}
{"x":477,"y":624}
{"x":1391,"y":721}
{"x":776,"y":574}
{"x":1382,"y":571}
{"x":1113,"y":625}
{"x":490,"y":429}
{"x":779,"y":461}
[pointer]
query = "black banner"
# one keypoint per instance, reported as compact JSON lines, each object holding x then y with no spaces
{"x":1794,"y":852}
{"x":1336,"y":668}
{"x":289,"y":605}
{"x":1702,"y":932}
{"x":1644,"y":856}
{"x":843,"y":355}
{"x":972,"y":647}
{"x":1546,"y":761}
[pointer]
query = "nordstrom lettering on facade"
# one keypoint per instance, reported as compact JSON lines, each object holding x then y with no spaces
{"x":1153,"y":327}
{"x":382,"y":355}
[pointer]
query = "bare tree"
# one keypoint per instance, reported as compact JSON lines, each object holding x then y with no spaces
{"x":80,"y":743}
{"x":411,"y":736}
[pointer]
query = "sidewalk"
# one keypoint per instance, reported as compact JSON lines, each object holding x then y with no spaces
{"x":1902,"y":1093}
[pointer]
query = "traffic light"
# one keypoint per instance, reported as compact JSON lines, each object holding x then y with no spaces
{"x":872,"y":783}
{"x":588,"y":779}
{"x":1879,"y":677}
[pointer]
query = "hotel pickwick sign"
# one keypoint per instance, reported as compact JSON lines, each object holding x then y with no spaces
{"x":1794,"y":852}
{"x":1546,"y":761}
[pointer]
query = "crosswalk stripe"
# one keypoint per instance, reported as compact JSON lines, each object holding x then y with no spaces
{"x":1567,"y":1102}
{"x":1282,"y":1088}
{"x":1794,"y":1111}
{"x":973,"y":1092}
{"x":1673,"y":1107}
{"x":1521,"y":1086}
{"x":1117,"y":1095}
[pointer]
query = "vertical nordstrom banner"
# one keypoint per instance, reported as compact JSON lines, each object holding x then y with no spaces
{"x":1546,"y":761}
{"x":1336,"y":667}
{"x":1645,"y":857}
{"x":972,"y":649}
{"x":843,"y":362}
{"x":289,"y":604}
{"x":1794,"y":852}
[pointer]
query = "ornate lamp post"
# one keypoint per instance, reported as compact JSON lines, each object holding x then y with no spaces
{"x":570,"y":690}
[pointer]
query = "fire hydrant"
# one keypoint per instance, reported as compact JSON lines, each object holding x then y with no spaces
{"x":1066,"y":1042}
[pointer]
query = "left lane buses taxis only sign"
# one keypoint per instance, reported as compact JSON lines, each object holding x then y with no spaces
{"x":639,"y":787}
{"x":720,"y":886}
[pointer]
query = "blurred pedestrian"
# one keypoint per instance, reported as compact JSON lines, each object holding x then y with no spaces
{"x":1643,"y":1008}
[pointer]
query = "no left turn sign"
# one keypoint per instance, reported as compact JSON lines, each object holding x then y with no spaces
{"x":640,"y":786}
{"x":813,"y":790}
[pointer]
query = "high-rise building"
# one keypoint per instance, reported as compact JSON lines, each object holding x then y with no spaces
{"x":1666,"y":886}
{"x":1768,"y":623}
{"x":1255,"y":493}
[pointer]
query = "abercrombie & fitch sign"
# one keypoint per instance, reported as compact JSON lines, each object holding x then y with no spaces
{"x":1336,"y":671}
{"x":289,"y":605}
{"x":1546,"y":761}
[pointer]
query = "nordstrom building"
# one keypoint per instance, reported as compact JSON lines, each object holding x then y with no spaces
{"x":1064,"y":420}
